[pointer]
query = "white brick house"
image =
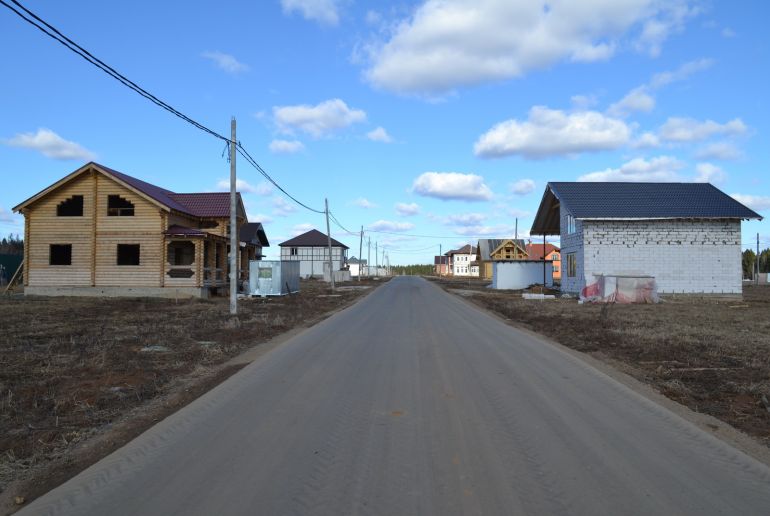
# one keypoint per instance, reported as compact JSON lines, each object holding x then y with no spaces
{"x":461,"y":261}
{"x":686,"y":235}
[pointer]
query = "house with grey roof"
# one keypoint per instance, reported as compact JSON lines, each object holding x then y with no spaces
{"x":311,"y":249}
{"x":686,"y":235}
{"x":490,"y":250}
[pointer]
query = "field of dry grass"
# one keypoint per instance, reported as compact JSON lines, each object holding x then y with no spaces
{"x":71,"y":368}
{"x":712,"y":355}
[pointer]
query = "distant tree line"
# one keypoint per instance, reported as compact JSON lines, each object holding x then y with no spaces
{"x":749,"y":261}
{"x":12,"y":245}
{"x":411,"y":270}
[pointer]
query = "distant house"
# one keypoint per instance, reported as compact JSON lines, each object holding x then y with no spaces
{"x":441,"y":265}
{"x":253,"y":234}
{"x":646,"y":229}
{"x":357,"y":267}
{"x":311,"y":249}
{"x":461,"y":261}
{"x":101,"y":232}
{"x":552,"y":253}
{"x":490,"y":250}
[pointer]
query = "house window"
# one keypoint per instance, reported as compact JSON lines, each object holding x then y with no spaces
{"x":570,"y":224}
{"x":128,"y":254}
{"x":554,"y":256}
{"x":571,"y":265}
{"x":60,"y":254}
{"x":555,"y":268}
{"x":293,"y":251}
{"x":72,"y":207}
{"x":183,"y":253}
{"x":119,"y":207}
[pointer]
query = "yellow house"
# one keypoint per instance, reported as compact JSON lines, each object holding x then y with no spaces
{"x":100,"y":232}
{"x":496,"y":249}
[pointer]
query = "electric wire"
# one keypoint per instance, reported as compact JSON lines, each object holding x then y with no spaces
{"x":54,"y":33}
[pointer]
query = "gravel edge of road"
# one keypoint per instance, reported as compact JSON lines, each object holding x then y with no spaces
{"x":614,"y":369}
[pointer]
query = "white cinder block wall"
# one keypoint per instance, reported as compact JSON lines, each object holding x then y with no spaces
{"x":685,"y":256}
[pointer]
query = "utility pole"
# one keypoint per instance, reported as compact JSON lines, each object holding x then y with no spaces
{"x":233,"y":226}
{"x":383,"y":262}
{"x":440,"y":261}
{"x":360,"y":254}
{"x":329,"y":239}
{"x":369,"y":257}
{"x":517,"y":229}
{"x":543,"y":265}
{"x":376,"y":260}
{"x":756,"y":276}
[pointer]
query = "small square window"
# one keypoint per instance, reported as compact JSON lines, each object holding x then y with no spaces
{"x":60,"y":254}
{"x":128,"y":254}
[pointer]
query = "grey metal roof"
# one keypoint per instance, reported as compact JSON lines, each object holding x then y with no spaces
{"x":312,"y":238}
{"x":587,"y":200}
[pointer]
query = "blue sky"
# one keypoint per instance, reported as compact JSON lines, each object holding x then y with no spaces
{"x":426,"y":118}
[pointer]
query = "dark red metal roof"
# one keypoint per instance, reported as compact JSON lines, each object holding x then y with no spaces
{"x":535,"y":251}
{"x":213,"y":204}
{"x":312,"y":238}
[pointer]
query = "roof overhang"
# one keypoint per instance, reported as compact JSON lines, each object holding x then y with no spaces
{"x":85,"y":168}
{"x":547,"y":220}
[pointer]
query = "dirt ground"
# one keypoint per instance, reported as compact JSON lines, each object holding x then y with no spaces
{"x":712,"y":355}
{"x":75,"y":369}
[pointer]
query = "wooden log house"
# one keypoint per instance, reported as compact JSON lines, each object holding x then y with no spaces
{"x":100,"y":232}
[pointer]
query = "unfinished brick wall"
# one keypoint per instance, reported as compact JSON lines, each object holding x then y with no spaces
{"x":685,"y":256}
{"x":571,"y":243}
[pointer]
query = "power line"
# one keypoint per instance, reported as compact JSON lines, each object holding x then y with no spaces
{"x":54,"y":33}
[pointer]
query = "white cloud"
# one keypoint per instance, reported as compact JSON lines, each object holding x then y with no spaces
{"x":6,"y":216}
{"x":719,"y":150}
{"x":325,"y":12}
{"x":363,"y":202}
{"x":445,"y":44}
{"x":583,"y":102}
{"x":646,"y":141}
{"x":379,"y":135}
{"x":226,"y":62}
{"x":639,"y":170}
{"x":242,"y":186}
{"x":282,"y":207}
{"x":407,"y":209}
{"x":500,"y":230}
{"x":516,"y":212}
{"x":286,"y":146}
{"x":387,"y":225}
{"x":523,"y":187}
{"x":452,"y":186}
{"x":683,"y":72}
{"x":465,"y":219}
{"x":640,"y":99}
{"x":709,"y":173}
{"x":755,"y":202}
{"x":372,"y":17}
{"x":260,"y":217}
{"x":319,"y":120}
{"x":550,"y":132}
{"x":299,"y":229}
{"x":681,"y":130}
{"x":637,"y":99}
{"x":50,"y":145}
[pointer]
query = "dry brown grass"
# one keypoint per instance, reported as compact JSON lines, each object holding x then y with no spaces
{"x":712,"y":355}
{"x":70,"y":367}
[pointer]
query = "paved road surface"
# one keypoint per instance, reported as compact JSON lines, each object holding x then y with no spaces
{"x":411,"y":402}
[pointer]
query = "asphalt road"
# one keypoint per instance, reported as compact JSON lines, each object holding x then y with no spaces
{"x":412,"y":402}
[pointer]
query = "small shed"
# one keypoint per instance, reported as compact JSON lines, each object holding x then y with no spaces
{"x":273,"y":278}
{"x":520,"y":274}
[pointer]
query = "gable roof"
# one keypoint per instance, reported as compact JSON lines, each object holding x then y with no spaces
{"x":488,"y":245}
{"x":253,"y":233}
{"x":312,"y":238}
{"x":519,"y":243}
{"x":602,"y":201}
{"x":214,"y":204}
{"x":466,"y":249}
{"x":535,"y":251}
